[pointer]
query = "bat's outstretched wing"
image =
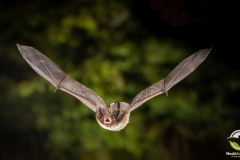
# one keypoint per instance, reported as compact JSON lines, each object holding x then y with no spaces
{"x":181,"y":71}
{"x":55,"y":75}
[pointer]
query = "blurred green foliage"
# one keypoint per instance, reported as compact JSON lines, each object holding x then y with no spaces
{"x":104,"y":46}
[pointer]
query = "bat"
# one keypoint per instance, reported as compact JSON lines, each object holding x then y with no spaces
{"x":115,"y":116}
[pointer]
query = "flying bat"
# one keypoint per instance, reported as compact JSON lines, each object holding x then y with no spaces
{"x":115,"y":116}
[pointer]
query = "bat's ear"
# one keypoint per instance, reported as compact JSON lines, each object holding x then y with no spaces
{"x":100,"y":112}
{"x":117,"y":104}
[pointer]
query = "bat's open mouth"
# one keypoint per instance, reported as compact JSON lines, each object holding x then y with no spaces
{"x":107,"y":120}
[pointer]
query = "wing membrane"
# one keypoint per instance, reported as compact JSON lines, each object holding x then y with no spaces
{"x":56,"y":76}
{"x":181,"y":71}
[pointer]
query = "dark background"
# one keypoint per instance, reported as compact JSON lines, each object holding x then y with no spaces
{"x":117,"y":48}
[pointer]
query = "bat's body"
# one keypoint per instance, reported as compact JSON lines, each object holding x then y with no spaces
{"x":115,"y":116}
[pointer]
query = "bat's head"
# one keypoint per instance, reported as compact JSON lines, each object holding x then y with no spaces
{"x":114,"y":117}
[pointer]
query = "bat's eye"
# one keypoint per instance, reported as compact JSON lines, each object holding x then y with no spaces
{"x":101,"y":111}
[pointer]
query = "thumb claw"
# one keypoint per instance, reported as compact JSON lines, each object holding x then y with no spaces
{"x":57,"y":87}
{"x":166,"y":93}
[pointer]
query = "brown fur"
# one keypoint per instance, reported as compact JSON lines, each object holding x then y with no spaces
{"x":117,"y":123}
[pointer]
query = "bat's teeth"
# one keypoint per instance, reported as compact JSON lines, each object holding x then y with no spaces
{"x":107,"y":120}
